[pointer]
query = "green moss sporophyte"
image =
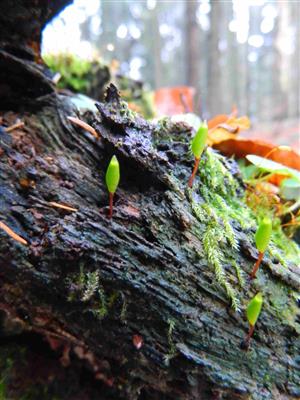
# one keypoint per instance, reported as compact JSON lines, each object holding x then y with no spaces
{"x":262,"y":239}
{"x":253,"y":312}
{"x":197,"y":146}
{"x":112,"y":179}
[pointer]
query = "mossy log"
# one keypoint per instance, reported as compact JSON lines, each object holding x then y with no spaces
{"x":142,"y":301}
{"x":92,"y":284}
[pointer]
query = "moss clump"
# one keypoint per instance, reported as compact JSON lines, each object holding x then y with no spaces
{"x":221,"y":208}
{"x":76,"y":73}
{"x":87,"y":288}
{"x":220,"y":205}
{"x":172,"y":348}
{"x":283,"y":248}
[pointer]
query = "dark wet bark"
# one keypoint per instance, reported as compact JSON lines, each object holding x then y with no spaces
{"x":148,"y":281}
{"x":22,"y":74}
{"x":153,"y":283}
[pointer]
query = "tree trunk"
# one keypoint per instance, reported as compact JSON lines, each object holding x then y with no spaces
{"x":192,"y":44}
{"x":133,"y":299}
{"x":21,"y":69}
{"x":214,"y":69}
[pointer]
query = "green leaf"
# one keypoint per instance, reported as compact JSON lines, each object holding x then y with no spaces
{"x":199,"y":140}
{"x":254,"y":308}
{"x":290,"y":189}
{"x":112,"y":176}
{"x":271,"y":166}
{"x":263,"y":234}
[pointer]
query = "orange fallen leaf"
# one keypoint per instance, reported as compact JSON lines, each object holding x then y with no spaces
{"x":223,"y":130}
{"x":240,"y":147}
{"x":84,"y":125}
{"x":12,"y":234}
{"x":62,"y":206}
{"x":217,"y":120}
{"x":174,"y":100}
{"x":222,"y":136}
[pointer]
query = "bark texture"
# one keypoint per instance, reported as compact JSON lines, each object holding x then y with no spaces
{"x":133,"y":299}
{"x":151,"y":281}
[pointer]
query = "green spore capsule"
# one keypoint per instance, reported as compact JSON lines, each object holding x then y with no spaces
{"x":197,"y":147}
{"x":262,"y":239}
{"x":112,"y":179}
{"x":263,"y":235}
{"x":112,"y":176}
{"x":199,"y":140}
{"x":254,"y":308}
{"x":252,"y":312}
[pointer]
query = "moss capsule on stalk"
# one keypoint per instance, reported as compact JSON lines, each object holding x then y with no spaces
{"x":262,"y":239}
{"x":112,"y":179}
{"x":197,"y":146}
{"x":253,"y":312}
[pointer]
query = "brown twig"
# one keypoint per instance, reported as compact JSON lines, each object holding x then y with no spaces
{"x":14,"y":126}
{"x":62,"y":206}
{"x":12,"y":234}
{"x":84,"y":125}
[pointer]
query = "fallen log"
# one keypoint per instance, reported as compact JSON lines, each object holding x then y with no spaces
{"x":152,"y":301}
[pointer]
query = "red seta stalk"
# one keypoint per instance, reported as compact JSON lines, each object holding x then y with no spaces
{"x":256,"y":265}
{"x":111,"y":203}
{"x":246,"y":342}
{"x":196,"y":165}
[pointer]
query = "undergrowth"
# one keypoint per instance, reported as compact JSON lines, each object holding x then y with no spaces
{"x":219,"y":209}
{"x":220,"y":205}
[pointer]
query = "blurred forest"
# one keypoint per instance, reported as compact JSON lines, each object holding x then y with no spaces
{"x":243,"y":53}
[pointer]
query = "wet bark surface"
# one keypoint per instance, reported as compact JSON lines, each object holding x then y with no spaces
{"x":127,"y":308}
{"x":149,"y":284}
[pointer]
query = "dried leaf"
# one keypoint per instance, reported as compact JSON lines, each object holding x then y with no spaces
{"x":241,"y":147}
{"x":176,"y":100}
{"x":220,"y":130}
{"x":217,"y":120}
{"x":12,"y":234}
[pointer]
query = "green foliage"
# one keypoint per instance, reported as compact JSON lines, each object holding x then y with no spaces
{"x":239,"y":273}
{"x":91,"y":284}
{"x":112,"y":176}
{"x":87,"y":288}
{"x":280,"y":245}
{"x":75,"y":72}
{"x":266,"y":165}
{"x":283,"y":248}
{"x":254,"y":308}
{"x":172,"y":348}
{"x":263,"y":234}
{"x":199,"y":140}
{"x":211,"y":243}
{"x":290,"y":189}
{"x":101,"y":311}
{"x":219,"y":208}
